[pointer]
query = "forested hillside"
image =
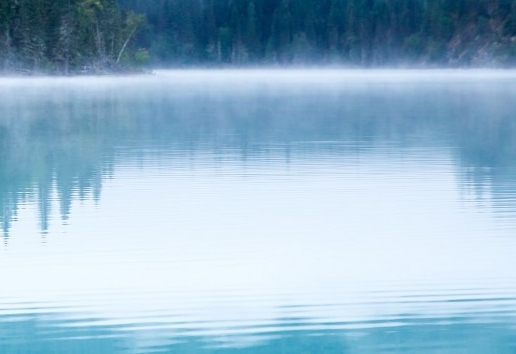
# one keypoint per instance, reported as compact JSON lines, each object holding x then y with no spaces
{"x":65,"y":35}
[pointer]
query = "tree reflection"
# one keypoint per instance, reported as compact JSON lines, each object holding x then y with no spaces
{"x":42,"y":153}
{"x":62,"y":142}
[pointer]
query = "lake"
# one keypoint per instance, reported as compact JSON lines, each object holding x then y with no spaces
{"x":259,"y":211}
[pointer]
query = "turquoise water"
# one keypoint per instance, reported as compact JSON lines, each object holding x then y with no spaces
{"x":259,"y":212}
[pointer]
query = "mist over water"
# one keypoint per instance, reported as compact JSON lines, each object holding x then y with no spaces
{"x":259,"y":211}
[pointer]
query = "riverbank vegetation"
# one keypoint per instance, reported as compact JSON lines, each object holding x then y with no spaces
{"x":108,"y":35}
{"x":66,"y":36}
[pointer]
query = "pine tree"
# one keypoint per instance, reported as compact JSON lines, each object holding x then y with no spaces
{"x":252,"y":36}
{"x":279,"y":46}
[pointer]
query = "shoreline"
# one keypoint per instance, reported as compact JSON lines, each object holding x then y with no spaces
{"x":256,"y":68}
{"x":184,"y":72}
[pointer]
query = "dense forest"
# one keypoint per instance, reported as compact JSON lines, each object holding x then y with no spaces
{"x":95,"y":35}
{"x":65,"y":35}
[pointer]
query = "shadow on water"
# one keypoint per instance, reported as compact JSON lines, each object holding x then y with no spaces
{"x":65,"y":137}
{"x":37,"y":336}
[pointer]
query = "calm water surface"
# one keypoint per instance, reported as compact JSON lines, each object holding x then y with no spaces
{"x":259,"y":212}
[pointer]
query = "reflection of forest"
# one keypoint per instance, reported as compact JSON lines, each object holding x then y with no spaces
{"x":485,"y":134}
{"x":43,"y":150}
{"x":64,"y":138}
{"x":35,"y":164}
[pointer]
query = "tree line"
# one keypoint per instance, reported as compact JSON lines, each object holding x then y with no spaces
{"x":348,"y":32}
{"x":64,"y":35}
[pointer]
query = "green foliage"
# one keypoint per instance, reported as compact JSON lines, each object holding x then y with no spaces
{"x":67,"y":35}
{"x":414,"y":46}
{"x":141,"y":56}
{"x":510,"y":24}
{"x":225,"y":42}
